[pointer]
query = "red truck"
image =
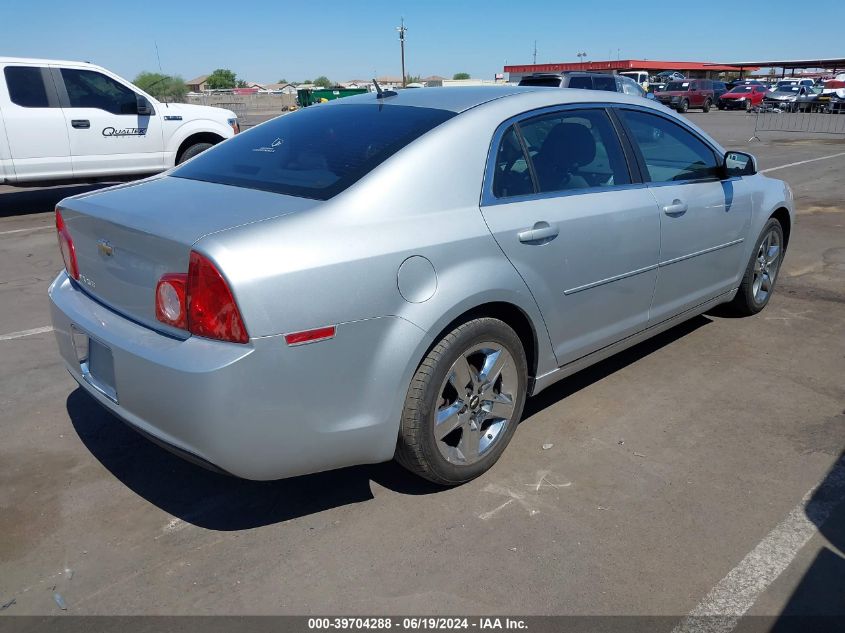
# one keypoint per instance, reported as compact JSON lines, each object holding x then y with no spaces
{"x":684,"y":94}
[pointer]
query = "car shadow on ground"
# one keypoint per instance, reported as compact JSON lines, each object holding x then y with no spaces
{"x":818,"y":601}
{"x":26,"y":201}
{"x":219,"y":502}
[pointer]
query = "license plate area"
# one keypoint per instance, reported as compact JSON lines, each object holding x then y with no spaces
{"x":95,"y":362}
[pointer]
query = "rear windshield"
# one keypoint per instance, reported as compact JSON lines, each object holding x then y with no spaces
{"x":678,"y":86}
{"x":316,"y":152}
{"x":546,"y":82}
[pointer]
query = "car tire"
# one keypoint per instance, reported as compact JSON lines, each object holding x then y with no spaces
{"x":748,"y":106}
{"x":720,"y":106}
{"x":706,"y":106}
{"x":191,"y":151}
{"x":759,"y":279}
{"x":683,"y":106}
{"x":450,"y":385}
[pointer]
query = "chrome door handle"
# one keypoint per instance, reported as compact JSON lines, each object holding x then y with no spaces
{"x":676,"y":208}
{"x":540,"y":231}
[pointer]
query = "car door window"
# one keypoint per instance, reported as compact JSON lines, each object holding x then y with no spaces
{"x":90,"y":89}
{"x":576,"y":149}
{"x":512,"y":176}
{"x":670,"y":152}
{"x":26,"y":86}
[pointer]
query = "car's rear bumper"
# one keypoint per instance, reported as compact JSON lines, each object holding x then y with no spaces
{"x":262,"y":410}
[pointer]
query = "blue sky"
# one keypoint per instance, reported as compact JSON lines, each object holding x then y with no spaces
{"x":265,"y":41}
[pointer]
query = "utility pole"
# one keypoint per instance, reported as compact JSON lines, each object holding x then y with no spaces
{"x":535,"y":52}
{"x":581,"y":56}
{"x":401,"y":28}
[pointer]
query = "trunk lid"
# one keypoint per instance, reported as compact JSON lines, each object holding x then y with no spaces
{"x":128,"y":236}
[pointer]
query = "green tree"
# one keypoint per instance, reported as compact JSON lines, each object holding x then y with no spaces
{"x":306,"y":81}
{"x":242,"y":84}
{"x":461,"y":76}
{"x":282,"y":81}
{"x":323,"y":82}
{"x":413,"y":79}
{"x":164,"y":87}
{"x":221,"y":78}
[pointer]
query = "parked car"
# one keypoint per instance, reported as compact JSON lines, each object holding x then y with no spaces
{"x":282,"y":304}
{"x":813,"y":100}
{"x":743,"y":97}
{"x":690,"y":93}
{"x":662,"y":78}
{"x":73,"y":120}
{"x":743,"y":82}
{"x":785,"y":97}
{"x":585,"y":81}
{"x":719,"y":88}
{"x":640,"y":76}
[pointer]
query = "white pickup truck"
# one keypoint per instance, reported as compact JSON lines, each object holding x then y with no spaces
{"x":72,"y":120}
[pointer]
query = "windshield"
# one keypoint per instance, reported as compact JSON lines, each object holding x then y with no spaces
{"x":788,"y":89}
{"x":316,"y":152}
{"x":739,"y":89}
{"x":680,"y":86}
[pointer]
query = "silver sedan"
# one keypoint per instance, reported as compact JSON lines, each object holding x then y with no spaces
{"x":392,"y":275}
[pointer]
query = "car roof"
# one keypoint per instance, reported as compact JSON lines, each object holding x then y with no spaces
{"x":454,"y":99}
{"x":517,"y":98}
{"x":44,"y":62}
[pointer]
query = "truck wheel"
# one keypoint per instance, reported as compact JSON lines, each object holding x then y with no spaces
{"x":706,"y":106}
{"x":760,"y":276}
{"x":683,"y":106}
{"x":192,"y":150}
{"x":464,"y":403}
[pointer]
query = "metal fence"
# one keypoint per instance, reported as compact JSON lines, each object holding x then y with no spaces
{"x":246,"y":104}
{"x":829,"y":122}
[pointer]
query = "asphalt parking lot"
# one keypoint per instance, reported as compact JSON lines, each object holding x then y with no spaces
{"x":678,"y":477}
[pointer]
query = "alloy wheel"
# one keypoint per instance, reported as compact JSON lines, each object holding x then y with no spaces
{"x":476,"y":403}
{"x":766,"y":266}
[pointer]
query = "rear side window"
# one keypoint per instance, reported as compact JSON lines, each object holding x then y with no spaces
{"x":670,"y":152}
{"x":581,"y":82}
{"x":576,"y":149}
{"x":512,"y":176}
{"x":26,"y":86}
{"x":316,"y":152}
{"x":545,"y":82}
{"x":605,"y":82}
{"x":90,"y":89}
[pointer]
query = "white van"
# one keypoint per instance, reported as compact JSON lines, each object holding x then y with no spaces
{"x":640,"y":76}
{"x":73,"y":120}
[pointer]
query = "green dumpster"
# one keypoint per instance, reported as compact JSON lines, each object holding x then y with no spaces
{"x":308,"y":96}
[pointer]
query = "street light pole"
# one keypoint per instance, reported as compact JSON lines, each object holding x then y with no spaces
{"x":401,"y":28}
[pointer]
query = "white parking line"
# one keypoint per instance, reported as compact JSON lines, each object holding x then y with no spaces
{"x":34,"y":228}
{"x":22,"y":333}
{"x":801,"y":162}
{"x":737,"y":592}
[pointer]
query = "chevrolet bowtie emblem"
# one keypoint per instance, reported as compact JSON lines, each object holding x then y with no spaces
{"x":105,"y":248}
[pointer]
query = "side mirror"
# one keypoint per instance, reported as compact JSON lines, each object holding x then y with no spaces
{"x":739,"y":164}
{"x":145,"y":108}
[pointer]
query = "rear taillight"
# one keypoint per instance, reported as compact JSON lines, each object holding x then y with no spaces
{"x":66,"y":246}
{"x":200,"y":302}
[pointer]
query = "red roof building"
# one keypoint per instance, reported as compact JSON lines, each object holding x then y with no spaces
{"x":690,"y":69}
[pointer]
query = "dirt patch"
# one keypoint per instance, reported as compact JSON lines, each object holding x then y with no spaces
{"x":819,"y":209}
